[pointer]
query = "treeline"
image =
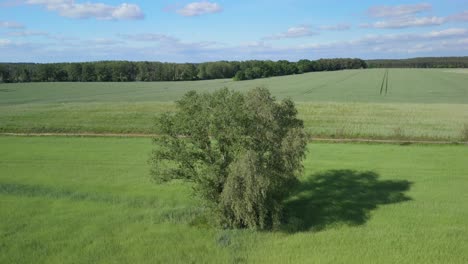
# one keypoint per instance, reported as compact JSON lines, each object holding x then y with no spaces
{"x":126,"y":71}
{"x":261,"y":69}
{"x":429,"y":62}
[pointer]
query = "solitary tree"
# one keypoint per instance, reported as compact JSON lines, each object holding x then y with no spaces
{"x":242,"y":152}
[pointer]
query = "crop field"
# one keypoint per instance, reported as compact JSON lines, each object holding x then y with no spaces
{"x":424,"y":104}
{"x":90,"y":200}
{"x":404,"y":86}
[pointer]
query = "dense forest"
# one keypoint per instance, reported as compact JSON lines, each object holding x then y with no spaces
{"x":126,"y":71}
{"x":429,"y":62}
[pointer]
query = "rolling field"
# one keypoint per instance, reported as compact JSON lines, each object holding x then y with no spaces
{"x":404,"y":86}
{"x":90,"y":200}
{"x":428,"y":104}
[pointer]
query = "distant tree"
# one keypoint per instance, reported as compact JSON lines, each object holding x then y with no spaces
{"x":5,"y":74}
{"x":23,"y":74}
{"x":103,"y":72}
{"x":186,"y":72}
{"x":46,"y":72}
{"x":242,"y":152}
{"x":75,"y":72}
{"x":89,"y":72}
{"x":60,"y":74}
{"x":304,"y":66}
{"x":125,"y":71}
{"x":240,"y":76}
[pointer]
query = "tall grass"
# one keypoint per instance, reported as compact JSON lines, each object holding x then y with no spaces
{"x":425,"y":104}
{"x":90,"y":200}
{"x":339,"y":120}
{"x":464,"y":132}
{"x":408,"y":86}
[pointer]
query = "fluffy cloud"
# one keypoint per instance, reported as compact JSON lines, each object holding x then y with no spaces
{"x":200,"y":8}
{"x":405,"y":22}
{"x":398,"y":11}
{"x":149,"y":37}
{"x":4,"y":42}
{"x":10,"y":24}
{"x":160,"y":47}
{"x":68,"y":8}
{"x":103,"y":42}
{"x":28,"y":33}
{"x":338,"y":27}
{"x":463,"y":16}
{"x":293,"y":32}
{"x":405,"y":16}
{"x":168,"y":43}
{"x":401,"y":41}
{"x":450,"y":32}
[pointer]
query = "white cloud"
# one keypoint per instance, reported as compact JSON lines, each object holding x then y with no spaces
{"x":463,"y":41}
{"x":451,"y":32}
{"x":4,"y":42}
{"x":11,"y":24}
{"x":10,"y":3}
{"x":293,"y":32}
{"x":68,"y":8}
{"x":338,"y":27}
{"x":161,"y":47}
{"x":200,"y":8}
{"x":398,"y":11}
{"x":127,"y":11}
{"x":450,"y":42}
{"x":103,"y":42}
{"x":169,"y":43}
{"x":149,"y":37}
{"x":28,"y":33}
{"x":405,"y":22}
{"x":463,"y":16}
{"x":253,"y":44}
{"x":405,"y":16}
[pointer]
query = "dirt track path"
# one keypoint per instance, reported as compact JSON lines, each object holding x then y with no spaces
{"x":331,"y":140}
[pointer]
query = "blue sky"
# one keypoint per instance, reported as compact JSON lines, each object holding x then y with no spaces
{"x":196,"y":31}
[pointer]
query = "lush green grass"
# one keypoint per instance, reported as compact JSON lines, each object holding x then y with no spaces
{"x":420,"y":104}
{"x":404,"y":86}
{"x":340,"y":120}
{"x":90,"y":200}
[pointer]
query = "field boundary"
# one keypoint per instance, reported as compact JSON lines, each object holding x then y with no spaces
{"x":313,"y":139}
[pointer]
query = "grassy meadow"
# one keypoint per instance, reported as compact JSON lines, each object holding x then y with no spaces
{"x":428,"y":104}
{"x":90,"y":200}
{"x":404,"y":86}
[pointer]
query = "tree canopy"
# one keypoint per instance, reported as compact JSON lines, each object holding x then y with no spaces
{"x":428,"y":62}
{"x":242,"y":152}
{"x":127,"y":71}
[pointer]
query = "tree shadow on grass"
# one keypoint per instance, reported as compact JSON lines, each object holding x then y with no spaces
{"x":340,"y":197}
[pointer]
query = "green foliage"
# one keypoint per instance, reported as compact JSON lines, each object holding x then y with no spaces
{"x":243,"y":152}
{"x":429,"y":62}
{"x":126,"y":71}
{"x":464,"y":132}
{"x":89,"y":200}
{"x":414,"y":103}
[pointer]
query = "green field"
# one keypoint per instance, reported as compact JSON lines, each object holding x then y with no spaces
{"x":90,"y":200}
{"x":404,"y":86}
{"x":429,"y":104}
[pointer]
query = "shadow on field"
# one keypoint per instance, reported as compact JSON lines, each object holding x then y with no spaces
{"x":340,"y":196}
